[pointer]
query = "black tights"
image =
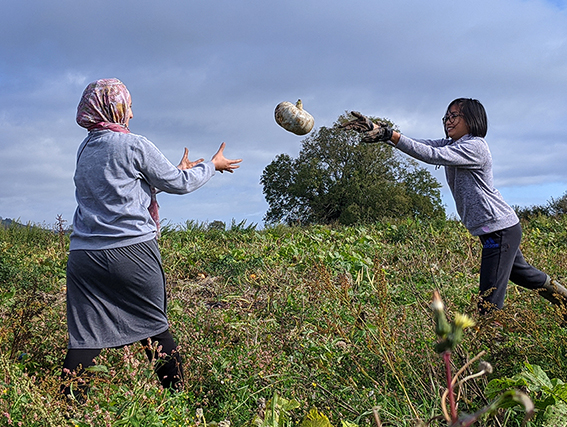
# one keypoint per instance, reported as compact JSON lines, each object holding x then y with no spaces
{"x":167,"y":360}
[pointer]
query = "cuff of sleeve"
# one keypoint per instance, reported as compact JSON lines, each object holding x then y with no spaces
{"x":210,"y":167}
{"x":402,"y":141}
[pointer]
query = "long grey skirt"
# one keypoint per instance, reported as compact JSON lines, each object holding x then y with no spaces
{"x":115,"y":297}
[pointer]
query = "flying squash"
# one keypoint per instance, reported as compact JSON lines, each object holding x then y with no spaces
{"x":294,"y":118}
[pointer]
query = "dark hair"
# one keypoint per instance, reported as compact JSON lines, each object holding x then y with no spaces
{"x":474,"y":114}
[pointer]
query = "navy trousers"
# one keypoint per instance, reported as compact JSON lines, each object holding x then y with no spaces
{"x":502,"y":261}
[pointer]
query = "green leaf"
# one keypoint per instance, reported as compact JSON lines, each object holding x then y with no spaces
{"x":555,"y":416}
{"x":315,"y":419}
{"x":517,"y":397}
{"x":560,"y":391}
{"x":277,"y":412}
{"x":536,"y":379}
{"x":97,"y":368}
{"x":542,"y":403}
{"x":499,"y":385}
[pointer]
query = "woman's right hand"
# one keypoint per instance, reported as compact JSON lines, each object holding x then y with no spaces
{"x":360,"y":123}
{"x":222,"y":163}
{"x":185,"y":163}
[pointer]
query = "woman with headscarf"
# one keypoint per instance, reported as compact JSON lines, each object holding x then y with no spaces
{"x":115,"y":281}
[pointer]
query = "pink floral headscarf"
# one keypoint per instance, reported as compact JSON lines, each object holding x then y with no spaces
{"x":106,"y":104}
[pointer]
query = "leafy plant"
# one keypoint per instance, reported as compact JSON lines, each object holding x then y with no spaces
{"x":450,"y":336}
{"x":549,"y":396}
{"x":21,"y":402}
{"x":331,"y":317}
{"x":276,"y":413}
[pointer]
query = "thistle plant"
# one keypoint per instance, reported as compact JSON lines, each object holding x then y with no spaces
{"x":450,"y":335}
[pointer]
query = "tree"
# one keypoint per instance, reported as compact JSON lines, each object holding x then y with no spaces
{"x":554,"y":207}
{"x":337,"y":179}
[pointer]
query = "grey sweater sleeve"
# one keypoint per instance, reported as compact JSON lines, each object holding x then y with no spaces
{"x":112,"y":187}
{"x":153,"y":167}
{"x":471,"y":153}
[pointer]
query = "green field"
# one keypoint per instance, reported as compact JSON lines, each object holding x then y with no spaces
{"x":332,"y":318}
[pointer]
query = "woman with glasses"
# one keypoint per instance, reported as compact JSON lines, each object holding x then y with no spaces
{"x":468,"y":168}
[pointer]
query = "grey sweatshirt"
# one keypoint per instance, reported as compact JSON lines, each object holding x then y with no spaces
{"x":113,"y":176}
{"x":468,"y":169}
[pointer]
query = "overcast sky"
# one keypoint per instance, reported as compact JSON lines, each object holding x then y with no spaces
{"x":203,"y":72}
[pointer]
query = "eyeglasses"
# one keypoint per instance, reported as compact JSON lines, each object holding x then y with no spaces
{"x":451,"y":117}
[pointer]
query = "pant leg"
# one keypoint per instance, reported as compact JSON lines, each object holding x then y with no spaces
{"x":168,"y":365}
{"x":76,"y":361}
{"x":499,"y":250}
{"x":526,"y":275}
{"x":502,"y":260}
{"x":79,"y":357}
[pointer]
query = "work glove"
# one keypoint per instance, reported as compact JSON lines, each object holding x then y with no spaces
{"x":371,"y":133}
{"x":381,"y":133}
{"x":360,"y":124}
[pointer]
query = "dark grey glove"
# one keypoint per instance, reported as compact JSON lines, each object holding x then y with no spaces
{"x":360,"y":124}
{"x":381,"y":133}
{"x":372,"y":132}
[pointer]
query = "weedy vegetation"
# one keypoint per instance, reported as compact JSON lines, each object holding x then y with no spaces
{"x":298,"y":326}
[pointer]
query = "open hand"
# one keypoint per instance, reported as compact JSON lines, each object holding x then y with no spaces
{"x":222,"y":163}
{"x":359,"y":124}
{"x":186,"y":163}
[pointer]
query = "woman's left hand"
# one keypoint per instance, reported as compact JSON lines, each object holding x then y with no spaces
{"x":186,"y":163}
{"x":222,"y":163}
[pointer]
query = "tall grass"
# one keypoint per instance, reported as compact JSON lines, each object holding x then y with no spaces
{"x":335,"y":318}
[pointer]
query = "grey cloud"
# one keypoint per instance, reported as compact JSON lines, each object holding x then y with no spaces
{"x":201,"y":73}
